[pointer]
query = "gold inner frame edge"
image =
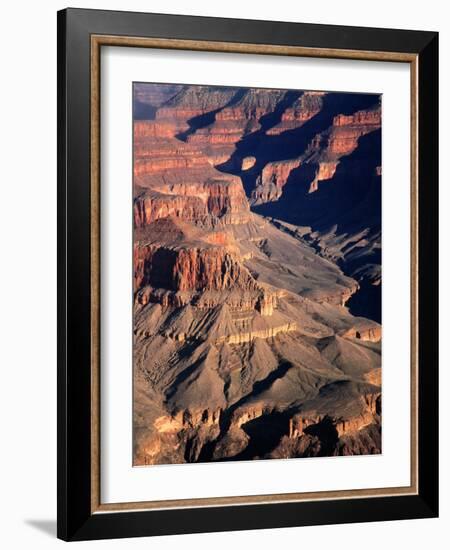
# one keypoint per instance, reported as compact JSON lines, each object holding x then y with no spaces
{"x":261,"y":49}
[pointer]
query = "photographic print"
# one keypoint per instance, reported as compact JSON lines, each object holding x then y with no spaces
{"x":257,"y":273}
{"x":234,"y":296}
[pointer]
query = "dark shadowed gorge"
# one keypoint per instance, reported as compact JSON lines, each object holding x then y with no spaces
{"x":257,"y":274}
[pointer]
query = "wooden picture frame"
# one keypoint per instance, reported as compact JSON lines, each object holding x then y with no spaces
{"x":81,"y":35}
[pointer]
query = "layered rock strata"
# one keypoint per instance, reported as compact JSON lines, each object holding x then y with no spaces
{"x":323,"y":153}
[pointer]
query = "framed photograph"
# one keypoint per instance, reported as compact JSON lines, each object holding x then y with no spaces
{"x":247,"y":252}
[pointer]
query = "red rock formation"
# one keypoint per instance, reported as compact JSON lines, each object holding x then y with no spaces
{"x":152,"y":206}
{"x":248,"y":163}
{"x":208,"y":201}
{"x":303,"y":109}
{"x":189,"y":269}
{"x":325,"y":151}
{"x":270,"y":183}
{"x":325,"y":171}
{"x":254,"y":104}
{"x":361,"y":118}
{"x":173,"y":178}
{"x":234,"y":121}
{"x":342,"y":138}
{"x":154,"y":95}
{"x":150,"y":129}
{"x":194,"y":101}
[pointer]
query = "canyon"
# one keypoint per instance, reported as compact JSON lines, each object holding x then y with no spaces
{"x":256,"y":273}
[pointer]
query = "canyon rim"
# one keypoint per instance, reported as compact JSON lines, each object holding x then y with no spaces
{"x":256,"y":273}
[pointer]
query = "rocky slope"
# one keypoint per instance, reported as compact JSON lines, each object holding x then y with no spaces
{"x":244,"y":345}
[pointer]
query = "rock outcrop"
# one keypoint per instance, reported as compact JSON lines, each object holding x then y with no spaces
{"x":269,"y":185}
{"x":172,"y":178}
{"x":303,"y":109}
{"x":189,"y":268}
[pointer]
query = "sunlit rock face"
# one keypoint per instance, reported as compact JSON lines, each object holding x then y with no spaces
{"x":324,"y":153}
{"x":304,"y":108}
{"x":256,"y":247}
